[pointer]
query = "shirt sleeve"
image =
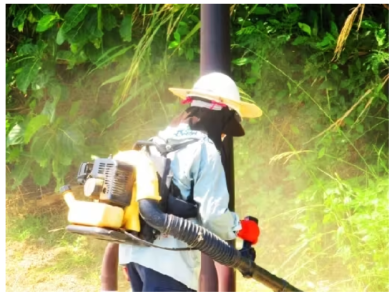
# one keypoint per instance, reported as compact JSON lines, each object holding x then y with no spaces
{"x":211,"y":193}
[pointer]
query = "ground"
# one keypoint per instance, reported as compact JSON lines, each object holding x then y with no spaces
{"x":42,"y":257}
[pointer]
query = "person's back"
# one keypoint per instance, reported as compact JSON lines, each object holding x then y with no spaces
{"x":199,"y":162}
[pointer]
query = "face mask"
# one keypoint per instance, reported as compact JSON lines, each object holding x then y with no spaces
{"x":232,"y":123}
{"x":217,"y":124}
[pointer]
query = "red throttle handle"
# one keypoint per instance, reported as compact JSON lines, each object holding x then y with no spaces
{"x":250,"y":234}
{"x":250,"y":230}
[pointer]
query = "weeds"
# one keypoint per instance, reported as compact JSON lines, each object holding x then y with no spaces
{"x":321,"y":195}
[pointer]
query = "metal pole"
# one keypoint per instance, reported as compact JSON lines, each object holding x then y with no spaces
{"x":215,"y":57}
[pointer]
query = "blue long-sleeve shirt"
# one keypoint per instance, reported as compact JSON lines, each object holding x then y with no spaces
{"x":201,"y":162}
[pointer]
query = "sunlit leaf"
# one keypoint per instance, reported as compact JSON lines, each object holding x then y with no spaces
{"x":380,"y":36}
{"x":173,"y":44}
{"x":16,"y":135}
{"x":28,"y":74}
{"x":321,"y":152}
{"x":34,"y":125}
{"x":305,"y":28}
{"x":46,"y":22}
{"x":241,"y":61}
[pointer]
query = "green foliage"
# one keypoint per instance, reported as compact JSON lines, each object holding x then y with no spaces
{"x":126,"y":28}
{"x":354,"y":221}
{"x":47,"y":22}
{"x":47,"y":140}
{"x":88,"y":79}
{"x":284,"y":60}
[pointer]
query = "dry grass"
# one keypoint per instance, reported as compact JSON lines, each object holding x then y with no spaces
{"x":339,"y":122}
{"x":42,"y":257}
{"x":33,"y":268}
{"x":345,"y":32}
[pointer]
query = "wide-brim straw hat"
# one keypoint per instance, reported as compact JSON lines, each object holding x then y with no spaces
{"x":220,"y":88}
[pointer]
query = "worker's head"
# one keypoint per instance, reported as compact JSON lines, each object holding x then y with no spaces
{"x":215,"y":107}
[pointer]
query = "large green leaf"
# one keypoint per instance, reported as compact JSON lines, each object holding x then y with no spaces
{"x":28,"y":74}
{"x":43,"y":147}
{"x":47,"y":22}
{"x":34,"y":125}
{"x":74,"y":16}
{"x":126,"y":28}
{"x":69,"y":143}
{"x":69,"y":139}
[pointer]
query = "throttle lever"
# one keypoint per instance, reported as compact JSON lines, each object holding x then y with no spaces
{"x":247,"y":250}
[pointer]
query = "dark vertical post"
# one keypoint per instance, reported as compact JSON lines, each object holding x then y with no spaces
{"x":215,"y":57}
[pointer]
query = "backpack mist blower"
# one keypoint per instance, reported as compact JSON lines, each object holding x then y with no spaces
{"x":133,"y":200}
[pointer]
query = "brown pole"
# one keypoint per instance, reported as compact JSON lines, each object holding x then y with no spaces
{"x":215,"y":56}
{"x":109,"y":268}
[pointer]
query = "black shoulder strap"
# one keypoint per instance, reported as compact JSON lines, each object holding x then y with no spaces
{"x":190,"y":197}
{"x":163,"y":150}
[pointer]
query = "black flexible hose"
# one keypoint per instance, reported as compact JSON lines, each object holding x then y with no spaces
{"x":210,"y":244}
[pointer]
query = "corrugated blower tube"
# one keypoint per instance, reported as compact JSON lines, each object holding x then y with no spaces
{"x":201,"y":239}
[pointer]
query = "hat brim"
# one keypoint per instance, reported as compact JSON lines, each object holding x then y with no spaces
{"x":244,"y":109}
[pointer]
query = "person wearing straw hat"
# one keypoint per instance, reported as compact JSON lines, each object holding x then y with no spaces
{"x":218,"y":90}
{"x":215,"y":111}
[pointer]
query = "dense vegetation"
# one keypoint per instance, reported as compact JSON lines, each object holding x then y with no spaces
{"x":87,"y":79}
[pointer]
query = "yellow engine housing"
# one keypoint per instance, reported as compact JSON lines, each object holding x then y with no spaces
{"x":103,"y":215}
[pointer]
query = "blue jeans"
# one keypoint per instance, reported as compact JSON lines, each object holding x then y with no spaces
{"x":146,"y":280}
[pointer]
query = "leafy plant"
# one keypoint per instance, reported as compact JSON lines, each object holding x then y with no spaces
{"x":90,"y":79}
